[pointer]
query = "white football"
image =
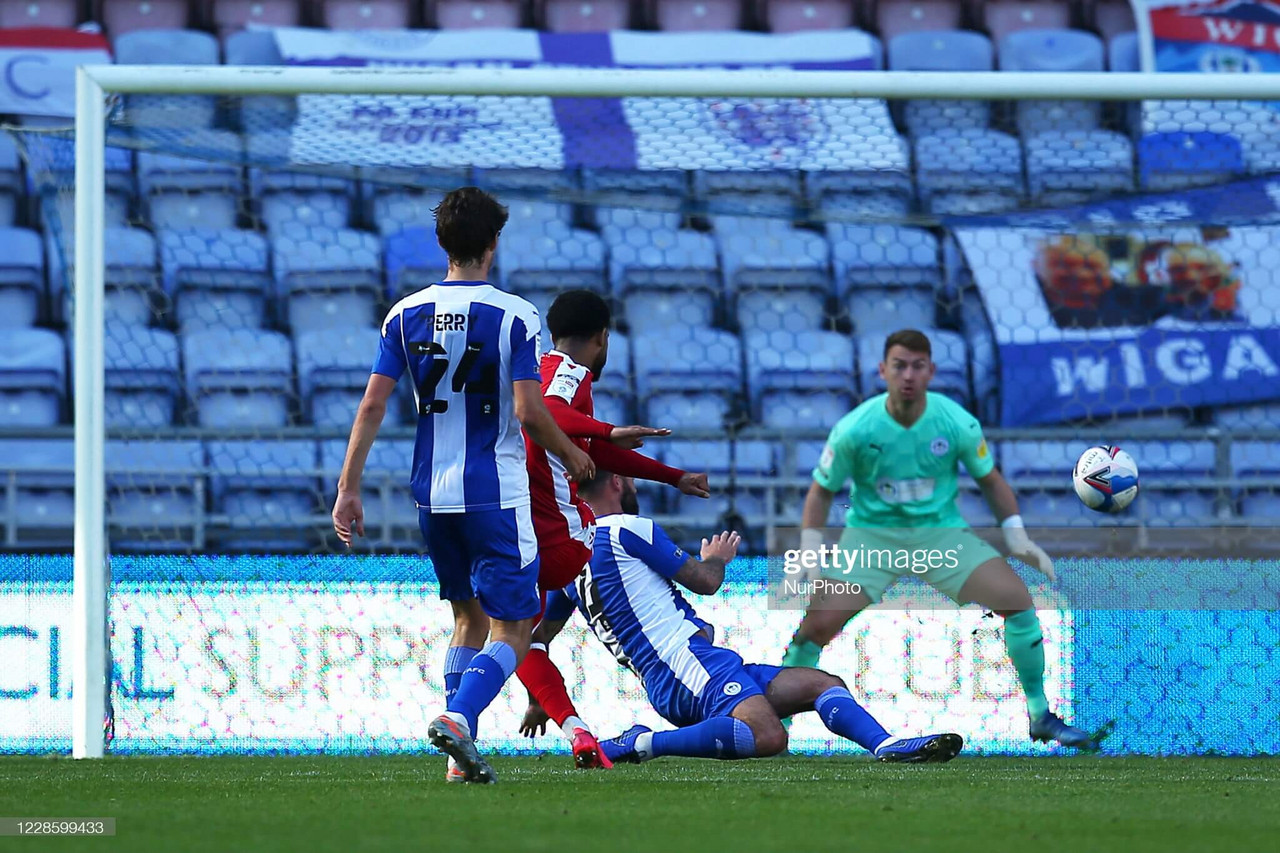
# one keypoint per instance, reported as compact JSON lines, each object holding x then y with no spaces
{"x":1106,"y":478}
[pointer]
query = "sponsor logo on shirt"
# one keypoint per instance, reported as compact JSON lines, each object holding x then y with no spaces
{"x":982,"y":449}
{"x":828,"y":456}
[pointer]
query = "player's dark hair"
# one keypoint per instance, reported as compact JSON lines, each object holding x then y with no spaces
{"x":594,"y":484}
{"x":578,"y":314}
{"x":911,"y":339}
{"x":467,"y":221}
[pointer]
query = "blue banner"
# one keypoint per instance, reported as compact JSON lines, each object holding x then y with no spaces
{"x":1218,"y":36}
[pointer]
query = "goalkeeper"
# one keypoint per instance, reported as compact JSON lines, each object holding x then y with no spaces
{"x":902,"y":451}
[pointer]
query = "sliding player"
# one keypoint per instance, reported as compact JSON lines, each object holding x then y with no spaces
{"x":471,"y":351}
{"x":579,"y":323}
{"x":723,"y":707}
{"x":902,"y":449}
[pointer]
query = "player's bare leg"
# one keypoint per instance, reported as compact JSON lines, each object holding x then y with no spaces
{"x":826,"y":617}
{"x":996,"y":586}
{"x":766,"y":728}
{"x":796,"y":690}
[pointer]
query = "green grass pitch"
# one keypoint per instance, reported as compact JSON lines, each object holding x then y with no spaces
{"x":401,"y":803}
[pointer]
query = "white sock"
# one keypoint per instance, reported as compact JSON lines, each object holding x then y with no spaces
{"x":644,"y":746}
{"x":459,"y":719}
{"x":886,"y":742}
{"x":571,"y":723}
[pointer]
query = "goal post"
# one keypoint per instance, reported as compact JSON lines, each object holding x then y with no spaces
{"x":97,"y":84}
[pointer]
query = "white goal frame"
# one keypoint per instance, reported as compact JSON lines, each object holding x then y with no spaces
{"x":88,"y":632}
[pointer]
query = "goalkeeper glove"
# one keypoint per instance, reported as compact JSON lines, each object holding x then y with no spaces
{"x":1021,"y":546}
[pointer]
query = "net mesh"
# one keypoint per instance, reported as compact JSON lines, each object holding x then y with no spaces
{"x":1087,"y":273}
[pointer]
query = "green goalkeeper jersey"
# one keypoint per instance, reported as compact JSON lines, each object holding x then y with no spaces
{"x":903,"y":476}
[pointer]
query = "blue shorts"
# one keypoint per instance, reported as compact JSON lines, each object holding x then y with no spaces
{"x":489,"y":555}
{"x":704,"y":681}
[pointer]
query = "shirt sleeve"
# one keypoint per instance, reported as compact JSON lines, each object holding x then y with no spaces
{"x":390,"y":360}
{"x":835,"y":465}
{"x":524,"y":347}
{"x":974,"y":452}
{"x":559,"y":606}
{"x":658,"y":552}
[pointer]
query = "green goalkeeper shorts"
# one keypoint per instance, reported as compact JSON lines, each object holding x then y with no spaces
{"x":943,"y":557}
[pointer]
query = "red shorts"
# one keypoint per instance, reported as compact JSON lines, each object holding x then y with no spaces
{"x":561,"y":563}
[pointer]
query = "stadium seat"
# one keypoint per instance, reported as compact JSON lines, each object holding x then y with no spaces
{"x":760,"y":193}
{"x":43,"y":500}
{"x":391,"y":514}
{"x":164,"y":46}
{"x":1173,"y":460}
{"x":748,"y":458}
{"x":309,"y":201}
{"x":478,"y":14}
{"x":327,"y":277}
{"x":1070,"y":167}
{"x":184,"y":193}
{"x":670,"y":301}
{"x":1002,"y":17}
{"x":706,"y":15}
{"x":1122,"y":53}
{"x":39,"y":13}
{"x":799,"y":381}
{"x":1053,"y":507}
{"x":796,"y":309}
{"x":534,"y":216}
{"x":574,"y":16}
{"x":395,"y":210}
{"x":639,"y":257}
{"x":121,"y":17}
{"x":882,"y":256}
{"x":1112,"y":18}
{"x":670,"y":370}
{"x":1059,"y":51}
{"x":969,"y":171}
{"x":266,"y":493}
{"x":413,"y":260}
{"x":11,"y":181}
{"x":216,"y":278}
{"x":1174,"y":161}
{"x":33,"y":377}
{"x":1240,"y":418}
{"x":232,"y":17}
{"x":793,"y":16}
{"x":546,"y":263}
{"x":238,"y":377}
{"x":51,"y":162}
{"x":942,"y":51}
{"x":775,"y":256}
{"x":612,"y":392}
{"x":658,"y":188}
{"x":525,"y":182}
{"x":132,"y":276}
{"x":258,"y":47}
{"x":333,"y":370}
{"x":153,"y":501}
{"x":365,"y":14}
{"x":22,"y":287}
{"x":895,"y":17}
{"x":141,"y":369}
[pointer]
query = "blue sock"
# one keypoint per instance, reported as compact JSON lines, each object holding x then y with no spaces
{"x":841,"y":714}
{"x":482,"y":680}
{"x":455,"y":662}
{"x":718,"y":737}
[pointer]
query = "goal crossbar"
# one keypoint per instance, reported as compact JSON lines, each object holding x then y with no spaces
{"x":93,"y":83}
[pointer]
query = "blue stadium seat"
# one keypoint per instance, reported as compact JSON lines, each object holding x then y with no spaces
{"x":21,"y":278}
{"x":217,"y":279}
{"x":1058,"y":51}
{"x":1174,"y":161}
{"x":310,"y":201}
{"x":770,"y":254}
{"x":168,"y":47}
{"x":640,"y":258}
{"x":882,"y":256}
{"x":43,"y":502}
{"x":184,"y":193}
{"x":612,"y":392}
{"x":1240,"y":418}
{"x":132,"y":276}
{"x":1054,"y":507}
{"x":790,"y":16}
{"x":153,"y":501}
{"x":553,"y":259}
{"x":804,"y":459}
{"x":796,"y":308}
{"x":684,"y":376}
{"x":969,"y":171}
{"x":51,"y":162}
{"x":327,"y":277}
{"x":876,"y":192}
{"x":622,"y":225}
{"x":333,"y":370}
{"x":534,"y":216}
{"x":394,"y":209}
{"x":946,"y":50}
{"x":1122,"y":53}
{"x":388,"y":499}
{"x":789,"y":375}
{"x":238,"y":377}
{"x":750,"y":458}
{"x":1172,"y":460}
{"x":1073,"y":166}
{"x":10,"y":181}
{"x":654,"y":187}
{"x":141,"y":369}
{"x":414,"y":260}
{"x":760,"y":193}
{"x":517,"y":183}
{"x":33,"y":377}
{"x":893,"y":17}
{"x":259,"y":112}
{"x":267,"y":492}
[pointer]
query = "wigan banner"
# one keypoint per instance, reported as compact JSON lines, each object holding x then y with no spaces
{"x":40,"y":69}
{"x":605,"y":133}
{"x":1217,"y":36}
{"x":1105,"y":321}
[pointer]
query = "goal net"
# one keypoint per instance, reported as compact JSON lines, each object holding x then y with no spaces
{"x":1088,"y":272}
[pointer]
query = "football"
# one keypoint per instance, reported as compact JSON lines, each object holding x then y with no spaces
{"x":1106,"y":478}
